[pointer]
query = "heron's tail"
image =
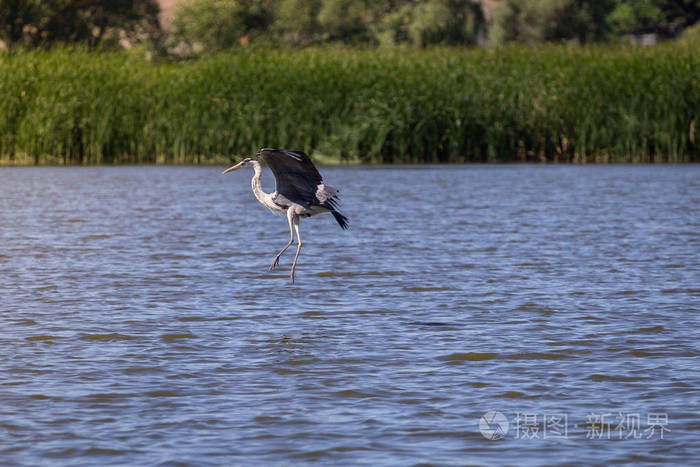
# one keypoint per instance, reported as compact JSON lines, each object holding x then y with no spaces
{"x":342,"y":220}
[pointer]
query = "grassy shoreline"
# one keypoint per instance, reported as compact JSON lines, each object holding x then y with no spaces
{"x":550,"y":104}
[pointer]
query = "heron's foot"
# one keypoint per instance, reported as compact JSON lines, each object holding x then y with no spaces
{"x":291,"y":277}
{"x":275,"y":262}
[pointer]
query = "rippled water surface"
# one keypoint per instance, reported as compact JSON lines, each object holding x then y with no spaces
{"x":140,"y":325}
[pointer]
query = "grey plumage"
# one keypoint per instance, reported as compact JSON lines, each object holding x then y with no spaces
{"x":299,"y":191}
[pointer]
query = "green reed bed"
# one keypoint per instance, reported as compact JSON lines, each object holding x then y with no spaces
{"x":554,"y":103}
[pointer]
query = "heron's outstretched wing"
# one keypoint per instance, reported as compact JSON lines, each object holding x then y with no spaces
{"x":295,"y":175}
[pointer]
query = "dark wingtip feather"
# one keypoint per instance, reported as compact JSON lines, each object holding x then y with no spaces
{"x":342,"y":220}
{"x":331,"y":204}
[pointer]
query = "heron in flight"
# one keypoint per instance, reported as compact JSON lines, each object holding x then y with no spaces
{"x":299,"y":192}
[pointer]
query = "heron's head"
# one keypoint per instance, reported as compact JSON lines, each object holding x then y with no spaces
{"x":247,"y":162}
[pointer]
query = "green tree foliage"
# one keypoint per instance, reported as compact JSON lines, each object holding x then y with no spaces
{"x":296,"y":21}
{"x":15,"y":15}
{"x":692,"y":35}
{"x":216,"y":24}
{"x":445,"y":22}
{"x":344,"y":19}
{"x":35,"y":22}
{"x":212,"y":25}
{"x":665,"y":17}
{"x":392,"y":28}
{"x":589,"y":20}
{"x":549,"y":20}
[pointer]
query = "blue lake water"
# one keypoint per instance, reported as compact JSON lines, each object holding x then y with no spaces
{"x":472,"y":315}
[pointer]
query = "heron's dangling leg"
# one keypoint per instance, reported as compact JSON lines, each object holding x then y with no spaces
{"x":290,"y":216}
{"x":296,"y":227}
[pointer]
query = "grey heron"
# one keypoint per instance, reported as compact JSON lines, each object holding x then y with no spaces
{"x":299,"y":192}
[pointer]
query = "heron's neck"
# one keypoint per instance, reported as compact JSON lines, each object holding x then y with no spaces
{"x":263,"y":197}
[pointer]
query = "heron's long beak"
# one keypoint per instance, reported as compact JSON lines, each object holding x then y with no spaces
{"x":231,"y":169}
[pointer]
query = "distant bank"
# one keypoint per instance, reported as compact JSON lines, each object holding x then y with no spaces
{"x":547,"y":104}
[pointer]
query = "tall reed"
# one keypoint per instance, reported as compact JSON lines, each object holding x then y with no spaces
{"x":553,"y":103}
